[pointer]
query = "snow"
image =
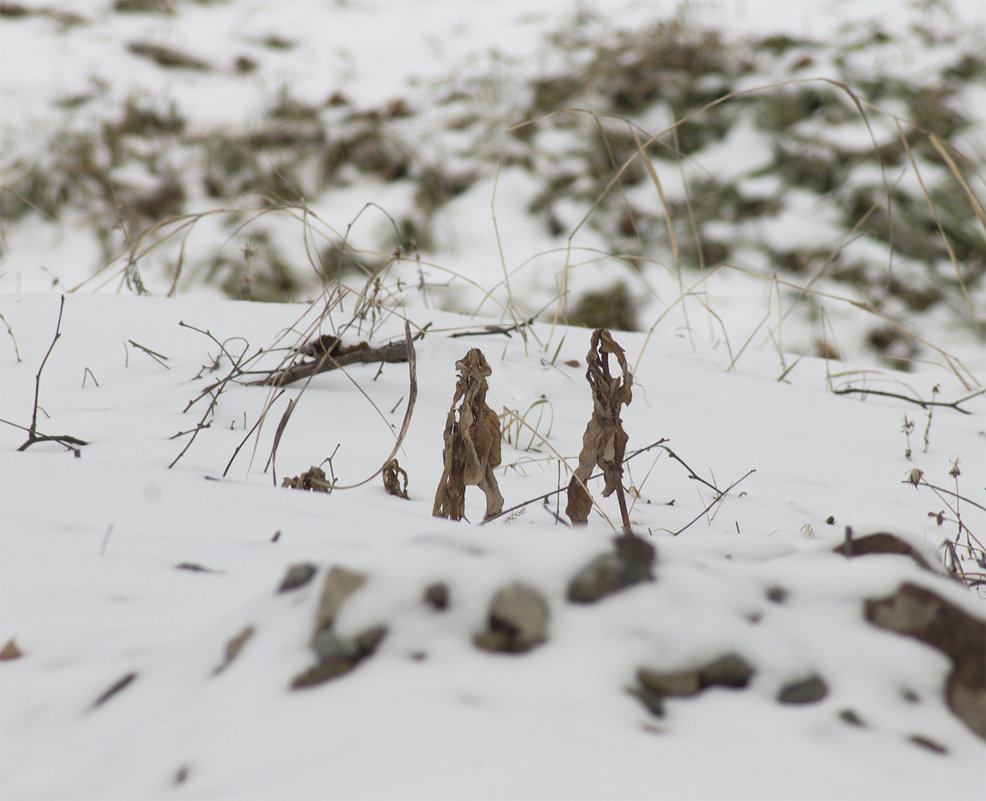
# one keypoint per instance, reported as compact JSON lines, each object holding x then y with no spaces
{"x":90,"y":545}
{"x":91,"y":593}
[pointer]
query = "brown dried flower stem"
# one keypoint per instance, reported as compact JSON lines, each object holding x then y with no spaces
{"x":604,"y":442}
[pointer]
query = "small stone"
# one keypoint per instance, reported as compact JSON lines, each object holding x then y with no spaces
{"x":849,"y":716}
{"x":10,"y":651}
{"x":517,"y":621}
{"x":920,"y":613}
{"x":339,"y":584}
{"x":297,"y":575}
{"x":777,"y":594}
{"x":805,"y":691}
{"x":611,"y":572}
{"x":678,"y":684}
{"x":337,"y":655}
{"x":437,"y":596}
{"x":880,"y":543}
{"x":599,"y":578}
{"x":730,"y":670}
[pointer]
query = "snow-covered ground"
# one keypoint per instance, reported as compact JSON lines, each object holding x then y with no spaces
{"x":92,"y":592}
{"x":152,"y":655}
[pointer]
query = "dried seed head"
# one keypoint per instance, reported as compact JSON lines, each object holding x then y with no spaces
{"x":955,"y":472}
{"x":915,"y":476}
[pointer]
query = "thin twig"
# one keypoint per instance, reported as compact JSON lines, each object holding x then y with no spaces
{"x":546,"y":495}
{"x":922,"y":403}
{"x":65,"y":440}
{"x":10,"y":331}
{"x":412,"y":396}
{"x":153,"y":354}
{"x":494,"y":329}
{"x":718,"y":498}
{"x":249,"y":434}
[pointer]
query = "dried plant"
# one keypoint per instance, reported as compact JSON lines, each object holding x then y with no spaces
{"x":313,"y":479}
{"x":395,"y":479}
{"x":472,"y":443}
{"x":604,"y":442}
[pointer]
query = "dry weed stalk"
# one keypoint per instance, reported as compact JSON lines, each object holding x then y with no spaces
{"x":604,"y":442}
{"x":472,"y":443}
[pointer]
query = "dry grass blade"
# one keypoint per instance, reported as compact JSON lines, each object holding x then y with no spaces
{"x":974,"y":204}
{"x":472,"y":443}
{"x":604,"y":442}
{"x":412,"y":396}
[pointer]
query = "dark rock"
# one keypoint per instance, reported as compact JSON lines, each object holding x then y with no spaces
{"x":656,"y":685}
{"x":916,"y":612}
{"x":612,"y":572}
{"x":335,"y":654}
{"x":328,"y":645}
{"x":517,"y":621}
{"x":849,"y":716}
{"x":805,"y":691}
{"x":730,"y":670}
{"x":321,"y":673}
{"x":297,"y":575}
{"x":777,"y":594}
{"x":678,"y":684}
{"x":881,"y":543}
{"x":437,"y":596}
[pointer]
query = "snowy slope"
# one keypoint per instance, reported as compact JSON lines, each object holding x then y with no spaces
{"x":91,"y":593}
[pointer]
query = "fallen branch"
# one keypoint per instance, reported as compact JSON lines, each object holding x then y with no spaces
{"x":393,"y":352}
{"x":922,"y":403}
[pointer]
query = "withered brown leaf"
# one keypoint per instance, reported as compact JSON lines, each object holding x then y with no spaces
{"x":472,"y":442}
{"x":395,"y":479}
{"x":313,"y":479}
{"x":604,"y":442}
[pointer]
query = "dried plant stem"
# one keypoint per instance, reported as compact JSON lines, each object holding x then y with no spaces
{"x":13,"y":339}
{"x":33,"y":436}
{"x":604,"y":441}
